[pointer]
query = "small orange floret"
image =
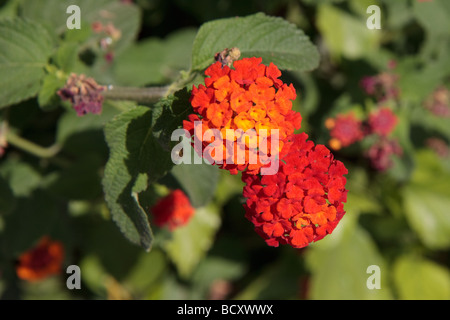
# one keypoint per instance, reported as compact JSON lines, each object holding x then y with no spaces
{"x":41,"y":261}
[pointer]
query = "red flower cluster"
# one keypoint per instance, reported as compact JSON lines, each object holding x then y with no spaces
{"x":303,"y":202}
{"x":382,"y":121}
{"x":248,"y":97}
{"x":346,"y":130}
{"x":173,"y":210}
{"x":42,"y":261}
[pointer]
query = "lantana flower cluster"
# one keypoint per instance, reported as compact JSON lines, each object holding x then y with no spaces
{"x":303,"y":200}
{"x":347,"y":129}
{"x":173,"y":210}
{"x":247,"y":98}
{"x":42,"y":261}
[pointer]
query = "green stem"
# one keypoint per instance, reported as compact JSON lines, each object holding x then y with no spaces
{"x":143,"y":95}
{"x":31,"y":147}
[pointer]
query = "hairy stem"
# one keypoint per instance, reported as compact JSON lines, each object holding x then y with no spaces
{"x":31,"y":147}
{"x":143,"y":95}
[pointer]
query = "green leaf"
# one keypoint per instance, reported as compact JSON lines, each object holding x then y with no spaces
{"x":155,"y":60}
{"x":417,"y":278}
{"x":33,"y":217}
{"x":168,"y":115}
{"x":426,"y":201}
{"x":81,"y":180}
{"x":22,"y":178}
{"x":346,"y":35}
{"x":9,"y":9}
{"x":52,"y":13}
{"x":147,"y":270}
{"x":273,"y":39}
{"x":47,"y":96}
{"x":67,"y":55}
{"x":132,"y":149}
{"x":199,"y":181}
{"x":339,"y":265}
{"x":26,"y":48}
{"x":190,"y":243}
{"x":275,"y":280}
{"x":140,"y":153}
{"x":433,"y":15}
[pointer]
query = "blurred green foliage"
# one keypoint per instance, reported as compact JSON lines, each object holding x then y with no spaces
{"x":398,"y":220}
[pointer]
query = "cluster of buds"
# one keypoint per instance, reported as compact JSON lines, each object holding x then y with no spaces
{"x":439,"y":102}
{"x":109,"y":36}
{"x":84,"y":93}
{"x":347,"y":129}
{"x":42,"y":261}
{"x":380,"y":153}
{"x":439,"y":146}
{"x":382,"y":86}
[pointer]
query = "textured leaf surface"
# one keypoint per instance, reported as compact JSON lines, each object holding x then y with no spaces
{"x":258,"y":35}
{"x":25,"y":49}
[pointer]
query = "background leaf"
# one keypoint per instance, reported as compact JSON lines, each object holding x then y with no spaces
{"x":427,"y":199}
{"x":26,"y":48}
{"x":154,"y":60}
{"x":198,"y":181}
{"x":417,"y":278}
{"x":339,"y":264}
{"x":190,"y":243}
{"x":346,"y":35}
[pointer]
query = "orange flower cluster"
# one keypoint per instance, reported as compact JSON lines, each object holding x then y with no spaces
{"x":42,"y":261}
{"x":248,"y":97}
{"x":173,"y":210}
